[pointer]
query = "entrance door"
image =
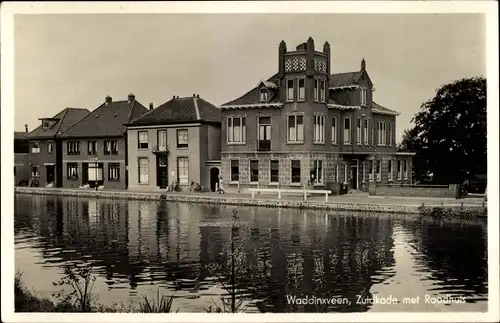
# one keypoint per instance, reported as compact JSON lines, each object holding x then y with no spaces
{"x":50,"y":173}
{"x":354,"y":174}
{"x":214,"y":177}
{"x":161,"y":172}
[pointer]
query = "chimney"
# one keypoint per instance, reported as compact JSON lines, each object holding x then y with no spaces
{"x":194,"y":95}
{"x":108,"y":99}
{"x":198,"y":96}
{"x":363,"y":64}
{"x":131,"y":98}
{"x":26,"y":127}
{"x":173,"y":97}
{"x":151,"y":107}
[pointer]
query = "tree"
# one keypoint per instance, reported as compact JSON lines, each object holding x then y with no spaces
{"x":449,"y":135}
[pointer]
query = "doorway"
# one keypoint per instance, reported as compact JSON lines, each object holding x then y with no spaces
{"x":354,"y":174}
{"x":214,"y":178}
{"x":50,"y":173}
{"x":161,"y":171}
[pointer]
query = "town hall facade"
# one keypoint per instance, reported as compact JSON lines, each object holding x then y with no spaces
{"x":307,"y":127}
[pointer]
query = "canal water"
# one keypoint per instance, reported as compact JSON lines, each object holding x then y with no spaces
{"x":332,"y":262}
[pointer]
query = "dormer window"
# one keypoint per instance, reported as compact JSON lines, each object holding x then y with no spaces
{"x":363,"y":96}
{"x":263,"y":95}
{"x":45,"y":124}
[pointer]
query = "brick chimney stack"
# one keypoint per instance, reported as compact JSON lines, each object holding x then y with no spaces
{"x":131,"y":98}
{"x":108,"y":99}
{"x":26,"y":127}
{"x":151,"y":107}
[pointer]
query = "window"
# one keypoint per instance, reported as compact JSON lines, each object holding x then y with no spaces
{"x":114,"y":147}
{"x":400,"y":169}
{"x":235,"y":170}
{"x":162,"y":140}
{"x":45,"y":124}
{"x":390,"y":133}
{"x":264,"y":143}
{"x":183,"y":170}
{"x":319,"y":128}
{"x":254,"y":171}
{"x":236,"y":130}
{"x":92,"y":147}
{"x":378,"y":170}
{"x":334,"y":130}
{"x":302,"y":89}
{"x":143,"y":140}
{"x":345,"y":173}
{"x":50,"y":147}
{"x":390,"y":170}
{"x":363,"y":96}
{"x":381,"y":133}
{"x":35,"y":172}
{"x":35,"y":147}
{"x":275,"y":171}
{"x":371,"y":170}
{"x":73,"y":147}
{"x":290,"y":90}
{"x":316,"y":89}
{"x":405,"y":169}
{"x":317,"y":172}
{"x":114,"y":171}
{"x":373,"y":132}
{"x":182,"y":138}
{"x":95,"y":171}
{"x":347,"y":131}
{"x":295,"y":128}
{"x":72,"y":170}
{"x":336,"y":175}
{"x":365,"y":133}
{"x":263,"y":95}
{"x":107,"y":147}
{"x":295,"y":171}
{"x":143,"y":170}
{"x":358,"y":131}
{"x":322,"y":91}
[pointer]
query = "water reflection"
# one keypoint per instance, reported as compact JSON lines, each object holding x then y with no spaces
{"x":282,"y":252}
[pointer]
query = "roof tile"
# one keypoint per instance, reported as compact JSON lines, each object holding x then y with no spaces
{"x":67,"y":118}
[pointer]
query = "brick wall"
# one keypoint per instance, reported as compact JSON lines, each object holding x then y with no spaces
{"x":449,"y":191}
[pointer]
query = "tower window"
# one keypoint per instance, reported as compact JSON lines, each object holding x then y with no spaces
{"x":302,"y":89}
{"x":290,"y":90}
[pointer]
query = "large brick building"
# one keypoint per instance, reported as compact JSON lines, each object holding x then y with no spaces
{"x":305,"y":126}
{"x":94,"y":150}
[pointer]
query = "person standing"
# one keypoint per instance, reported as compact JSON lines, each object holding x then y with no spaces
{"x":221,"y":187}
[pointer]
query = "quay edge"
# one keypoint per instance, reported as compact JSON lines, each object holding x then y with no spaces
{"x":229,"y":200}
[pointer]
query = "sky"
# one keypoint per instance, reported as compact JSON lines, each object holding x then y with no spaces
{"x":71,"y":60}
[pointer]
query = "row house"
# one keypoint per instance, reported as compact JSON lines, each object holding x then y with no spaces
{"x":21,"y":157}
{"x":94,"y":150}
{"x":45,"y":147}
{"x":305,"y":126}
{"x":177,"y":142}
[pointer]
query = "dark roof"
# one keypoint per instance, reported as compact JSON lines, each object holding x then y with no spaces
{"x":381,"y":108}
{"x":343,"y":79}
{"x":252,"y":96}
{"x":19,"y":135}
{"x":67,"y":118}
{"x":107,"y":120}
{"x":180,"y":110}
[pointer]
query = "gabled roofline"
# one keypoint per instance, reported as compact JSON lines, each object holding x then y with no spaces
{"x":252,"y":105}
{"x":388,"y":113}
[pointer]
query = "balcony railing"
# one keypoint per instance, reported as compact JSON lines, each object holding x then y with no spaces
{"x":264,"y":145}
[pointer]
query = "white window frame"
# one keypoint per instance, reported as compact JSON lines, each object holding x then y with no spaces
{"x":322,"y":89}
{"x":114,"y":171}
{"x":319,"y":128}
{"x":405,"y":169}
{"x":364,"y":94}
{"x":35,"y":147}
{"x":231,"y":130}
{"x":316,"y":90}
{"x":358,"y":131}
{"x":162,"y":139}
{"x":319,"y":171}
{"x":143,"y":138}
{"x":363,"y":178}
{"x":391,"y":170}
{"x":72,"y":168}
{"x":301,"y":96}
{"x":371,"y":176}
{"x":270,"y":171}
{"x":390,"y":134}
{"x":263,"y":94}
{"x":345,"y":174}
{"x":290,"y":97}
{"x":334,"y":130}
{"x":299,"y":135}
{"x":231,"y":171}
{"x":183,"y":178}
{"x":347,"y":142}
{"x":179,"y":134}
{"x":400,"y":169}
{"x":37,"y":173}
{"x":143,"y":178}
{"x":337,"y":173}
{"x":250,"y":171}
{"x":50,"y":147}
{"x":268,"y":127}
{"x":366,"y":133}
